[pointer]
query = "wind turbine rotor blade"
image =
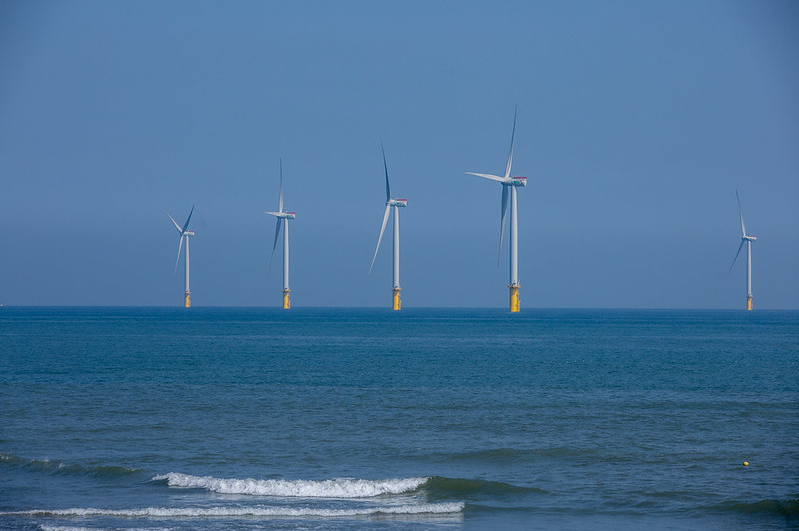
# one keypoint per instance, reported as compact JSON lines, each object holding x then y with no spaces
{"x":487,"y":176}
{"x":736,"y":255}
{"x":280,"y":201}
{"x":380,"y":238}
{"x":740,"y":213}
{"x":174,"y":222}
{"x":502,"y":220}
{"x":186,"y":225}
{"x":180,"y":247}
{"x":385,"y":165}
{"x":274,"y":245}
{"x":510,"y":153}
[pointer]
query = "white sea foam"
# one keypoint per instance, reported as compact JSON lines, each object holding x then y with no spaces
{"x":330,"y":488}
{"x":228,"y":512}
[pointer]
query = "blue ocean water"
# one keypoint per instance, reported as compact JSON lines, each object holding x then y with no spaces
{"x":252,"y":418}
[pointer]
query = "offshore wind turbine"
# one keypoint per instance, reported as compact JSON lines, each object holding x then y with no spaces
{"x":282,"y":217}
{"x":745,"y":239}
{"x":396,"y":204}
{"x":185,"y":233}
{"x":509,"y":184}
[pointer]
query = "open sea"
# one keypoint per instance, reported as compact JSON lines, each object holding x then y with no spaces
{"x":245,"y":419}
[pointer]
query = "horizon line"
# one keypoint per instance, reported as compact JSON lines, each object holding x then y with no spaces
{"x":276,"y":307}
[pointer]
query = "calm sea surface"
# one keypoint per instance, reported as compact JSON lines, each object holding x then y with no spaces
{"x":250,"y":419}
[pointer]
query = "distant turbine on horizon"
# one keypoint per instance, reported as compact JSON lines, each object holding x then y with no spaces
{"x":396,"y":204}
{"x":283,"y":217}
{"x":745,"y":239}
{"x":185,"y":233}
{"x":509,"y":184}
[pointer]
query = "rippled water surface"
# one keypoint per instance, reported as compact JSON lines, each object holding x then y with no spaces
{"x":250,"y":419}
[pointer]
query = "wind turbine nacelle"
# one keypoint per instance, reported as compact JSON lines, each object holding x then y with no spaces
{"x":518,"y":181}
{"x":398,"y":202}
{"x":750,"y":237}
{"x":288,"y":215}
{"x":189,"y":233}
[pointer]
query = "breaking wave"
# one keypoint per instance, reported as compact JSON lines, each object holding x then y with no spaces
{"x":330,"y":488}
{"x":228,"y":512}
{"x":435,"y":487}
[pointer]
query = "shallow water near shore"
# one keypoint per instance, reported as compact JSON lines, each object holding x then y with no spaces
{"x":260,"y":419}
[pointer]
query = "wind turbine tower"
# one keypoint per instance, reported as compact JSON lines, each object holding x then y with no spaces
{"x":509,"y":185}
{"x":282,"y":217}
{"x":185,"y":233}
{"x":394,"y":204}
{"x":745,"y":239}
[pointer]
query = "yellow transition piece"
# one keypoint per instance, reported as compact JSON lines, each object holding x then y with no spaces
{"x":397,"y":303}
{"x":186,"y":299}
{"x":515,"y":302}
{"x":286,"y":301}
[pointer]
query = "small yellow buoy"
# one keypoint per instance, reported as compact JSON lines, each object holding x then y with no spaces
{"x":746,"y":463}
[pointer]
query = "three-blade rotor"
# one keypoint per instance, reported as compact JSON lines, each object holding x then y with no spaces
{"x":505,"y":181}
{"x":184,"y":233}
{"x":386,"y":213}
{"x":744,"y":236}
{"x":279,"y":214}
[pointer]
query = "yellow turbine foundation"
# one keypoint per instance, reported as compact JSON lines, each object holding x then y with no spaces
{"x":515,"y":303}
{"x":186,"y":299}
{"x":396,"y":296}
{"x":749,"y":303}
{"x":286,"y":301}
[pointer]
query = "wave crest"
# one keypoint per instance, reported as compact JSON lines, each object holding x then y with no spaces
{"x":58,"y":468}
{"x":330,"y":488}
{"x":441,"y":487}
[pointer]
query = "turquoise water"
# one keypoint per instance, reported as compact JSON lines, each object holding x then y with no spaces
{"x":248,"y":419}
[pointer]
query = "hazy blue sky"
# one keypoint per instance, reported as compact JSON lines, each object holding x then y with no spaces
{"x":637,"y":121}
